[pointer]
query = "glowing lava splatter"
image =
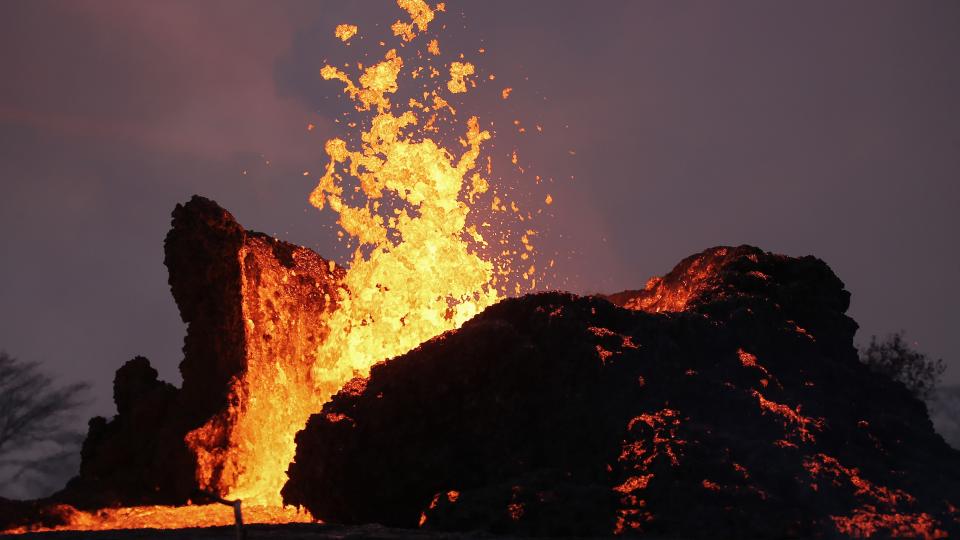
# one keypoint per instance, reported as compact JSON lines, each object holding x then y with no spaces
{"x":416,"y":270}
{"x":422,"y":265}
{"x":403,"y":200}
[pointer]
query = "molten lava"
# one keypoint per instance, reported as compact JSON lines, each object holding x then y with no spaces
{"x":166,"y":517}
{"x":416,"y":270}
{"x":421,"y":266}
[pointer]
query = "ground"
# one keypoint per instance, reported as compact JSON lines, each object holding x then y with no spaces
{"x":293,"y":531}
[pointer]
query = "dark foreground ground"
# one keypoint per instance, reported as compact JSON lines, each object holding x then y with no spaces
{"x":292,"y":531}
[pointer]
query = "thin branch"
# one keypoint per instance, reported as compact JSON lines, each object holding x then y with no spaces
{"x":35,"y":409}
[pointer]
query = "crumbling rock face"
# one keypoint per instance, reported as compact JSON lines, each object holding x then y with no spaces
{"x":803,"y":291}
{"x":138,"y":457}
{"x":202,"y":255}
{"x":729,"y":402}
{"x":247,"y":299}
{"x":276,"y":313}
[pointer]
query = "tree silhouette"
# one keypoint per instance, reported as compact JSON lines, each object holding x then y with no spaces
{"x":895,"y":358}
{"x":37,"y":436}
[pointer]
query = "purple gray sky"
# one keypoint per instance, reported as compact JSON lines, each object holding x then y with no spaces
{"x":818,"y":128}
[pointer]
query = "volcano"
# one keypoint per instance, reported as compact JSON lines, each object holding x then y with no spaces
{"x":724,"y":399}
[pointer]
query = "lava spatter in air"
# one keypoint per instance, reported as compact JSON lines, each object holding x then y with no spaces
{"x":403,"y":198}
{"x":403,"y":183}
{"x":412,"y":190}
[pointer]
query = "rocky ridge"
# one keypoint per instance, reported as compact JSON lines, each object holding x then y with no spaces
{"x":725,"y":399}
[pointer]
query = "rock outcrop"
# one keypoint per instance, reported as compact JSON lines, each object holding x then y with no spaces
{"x":247,"y":299}
{"x":256,"y":308}
{"x":725,"y":399}
{"x":137,"y":457}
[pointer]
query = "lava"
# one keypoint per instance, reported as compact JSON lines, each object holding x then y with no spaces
{"x":166,"y":517}
{"x":421,"y":267}
{"x":415,"y":272}
{"x":883,"y":514}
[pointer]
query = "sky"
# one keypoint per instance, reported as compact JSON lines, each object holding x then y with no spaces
{"x":820,"y":128}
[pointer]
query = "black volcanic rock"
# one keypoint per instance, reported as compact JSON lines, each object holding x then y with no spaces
{"x":219,"y":274}
{"x":138,"y":457}
{"x":201,"y":253}
{"x":729,"y":402}
{"x":802,"y":291}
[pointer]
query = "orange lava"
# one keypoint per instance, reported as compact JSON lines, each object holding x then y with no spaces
{"x":867,"y":521}
{"x":403,"y":200}
{"x":420,"y":268}
{"x":884,"y":515}
{"x":671,"y":297}
{"x":797,"y":426}
{"x":824,"y":466}
{"x":632,"y":513}
{"x":166,"y":517}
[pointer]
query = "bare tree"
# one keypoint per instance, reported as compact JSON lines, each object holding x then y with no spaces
{"x":895,"y":358}
{"x":37,"y":421}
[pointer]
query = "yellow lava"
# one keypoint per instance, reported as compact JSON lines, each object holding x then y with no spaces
{"x":420,"y":17}
{"x":345,"y":31}
{"x":459,"y":71}
{"x":166,"y":517}
{"x":403,"y":198}
{"x":413,"y":275}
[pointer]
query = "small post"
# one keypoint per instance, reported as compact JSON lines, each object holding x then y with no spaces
{"x":237,"y":513}
{"x":238,"y":519}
